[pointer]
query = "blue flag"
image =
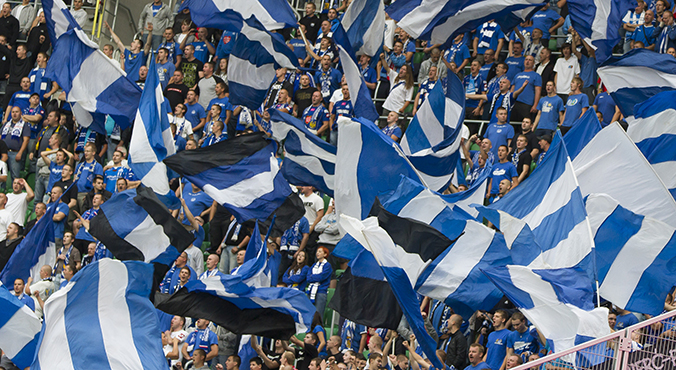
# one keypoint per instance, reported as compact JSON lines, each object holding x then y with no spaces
{"x":229,"y":14}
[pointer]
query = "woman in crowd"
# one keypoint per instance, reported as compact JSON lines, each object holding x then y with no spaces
{"x":318,"y":278}
{"x":295,"y":276}
{"x":401,"y":90}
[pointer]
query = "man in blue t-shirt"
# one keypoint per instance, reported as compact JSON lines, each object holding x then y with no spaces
{"x":316,"y":117}
{"x":195,"y":113}
{"x":487,"y":36}
{"x":165,"y":68}
{"x":550,"y":112}
{"x":521,"y":342}
{"x":20,"y":98}
{"x":135,"y":56}
{"x":605,"y":104}
{"x":527,"y":103}
{"x":341,"y":108}
{"x":502,"y":170}
{"x":351,"y":335}
{"x":327,"y":78}
{"x":501,"y":132}
{"x":175,"y":52}
{"x":624,"y":319}
{"x":221,"y":99}
{"x":576,"y":105}
{"x":497,"y":340}
{"x":117,"y":171}
{"x":459,"y":54}
{"x":515,"y":61}
{"x":476,"y":355}
{"x":548,"y":21}
{"x":473,"y":84}
{"x":60,"y":214}
{"x":197,"y":201}
{"x":203,"y":48}
{"x":85,"y":172}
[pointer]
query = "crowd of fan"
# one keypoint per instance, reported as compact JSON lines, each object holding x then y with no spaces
{"x":77,"y":169}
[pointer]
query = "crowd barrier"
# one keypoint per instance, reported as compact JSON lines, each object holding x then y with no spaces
{"x":650,"y":344}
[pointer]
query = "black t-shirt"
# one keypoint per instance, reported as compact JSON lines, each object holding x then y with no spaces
{"x":176,"y":93}
{"x":70,"y":193}
{"x":190,"y":71}
{"x":524,"y":159}
{"x":303,"y":99}
{"x":3,"y":147}
{"x":305,"y":355}
{"x":532,"y":142}
{"x":274,"y":357}
{"x":274,"y":90}
{"x":312,"y":26}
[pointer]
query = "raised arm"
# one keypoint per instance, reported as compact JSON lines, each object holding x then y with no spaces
{"x":117,"y":40}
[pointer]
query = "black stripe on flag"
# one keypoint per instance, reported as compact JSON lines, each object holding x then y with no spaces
{"x":366,"y":301}
{"x":224,"y":153}
{"x":287,"y":214}
{"x":265,"y":322}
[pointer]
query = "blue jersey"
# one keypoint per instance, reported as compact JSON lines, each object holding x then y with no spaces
{"x":112,"y":174}
{"x":497,"y":348}
{"x":549,"y":106}
{"x":194,"y":114}
{"x":606,"y":105}
{"x":201,"y":51}
{"x":350,"y":335}
{"x":196,"y":202}
{"x":574,"y":106}
{"x":527,"y":96}
{"x":515,"y":66}
{"x":489,"y":34}
{"x":523,"y":344}
{"x":457,"y":54}
{"x":165,"y":72}
{"x":20,"y":99}
{"x":174,"y":50}
{"x":328,"y":81}
{"x":59,"y":226}
{"x":392,"y":130}
{"x":84,"y":174}
{"x":342,"y":108}
{"x":226,"y":43}
{"x":298,"y":48}
{"x":543,"y":20}
{"x":54,"y":174}
{"x":132,"y":63}
{"x":314,"y":117}
{"x":202,"y":339}
{"x":502,"y":171}
{"x":35,"y":128}
{"x":292,"y":237}
{"x":625,"y":321}
{"x":225,"y":106}
{"x":506,"y":101}
{"x":39,"y":83}
{"x":473,"y":85}
{"x":484,"y":72}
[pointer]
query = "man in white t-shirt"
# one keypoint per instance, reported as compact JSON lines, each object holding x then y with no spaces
{"x":17,"y":200}
{"x":314,"y":205}
{"x":5,"y":217}
{"x":177,"y":324}
{"x":566,"y":68}
{"x":42,"y":289}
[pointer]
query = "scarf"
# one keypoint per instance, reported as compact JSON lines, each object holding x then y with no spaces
{"x":515,"y":158}
{"x":14,"y":129}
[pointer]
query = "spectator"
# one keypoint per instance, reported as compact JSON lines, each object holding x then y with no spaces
{"x":165,"y":68}
{"x":521,"y":158}
{"x":492,"y":86}
{"x":520,"y":342}
{"x":212,"y":267}
{"x":291,"y":243}
{"x":90,"y":256}
{"x":550,"y":111}
{"x":604,"y":104}
{"x":108,"y":50}
{"x":195,"y":113}
{"x":176,"y":91}
{"x":370,"y":75}
{"x":425,"y":88}
{"x":202,"y":338}
{"x":548,"y":21}
{"x":531,"y":139}
{"x":305,"y":353}
{"x":157,"y":15}
{"x":33,"y":114}
{"x":325,"y":32}
{"x":9,"y":25}
{"x":38,"y":36}
{"x":454,"y":343}
{"x":327,"y":78}
{"x":587,"y":57}
{"x":566,"y":68}
{"x":316,"y":117}
{"x":215,"y":136}
{"x":80,"y":14}
{"x":191,"y":67}
{"x":473,"y":85}
{"x":17,"y":200}
{"x":645,"y":33}
{"x":175,"y":52}
{"x":436,"y":61}
{"x":515,"y":60}
{"x":476,"y":169}
{"x":666,"y":33}
{"x":134,"y":57}
{"x":527,"y":101}
{"x":303,"y":96}
{"x":297,"y":44}
{"x":318,"y":279}
{"x":544,"y":141}
{"x":533,"y":44}
{"x":577,"y":104}
{"x":392,"y":129}
{"x":315,"y":55}
{"x":25,"y":13}
{"x":19,"y":68}
{"x":85,"y":172}
{"x":223,"y":102}
{"x":222,"y":70}
{"x":546,"y":66}
{"x":20,"y":287}
{"x":660,"y":7}
{"x":296,"y":275}
{"x":67,"y":254}
{"x":84,"y":135}
{"x":513,"y":361}
{"x":98,"y":188}
{"x":19,"y":99}
{"x":487,"y":36}
{"x":172,"y":277}
{"x":502,"y":170}
{"x":311,"y":21}
{"x":495,"y":353}
{"x":207,"y":85}
{"x":342,"y":108}
{"x":111,"y":173}
{"x":459,"y":54}
{"x":142,"y":74}
{"x":16,"y":134}
{"x":40,"y":210}
{"x":631,"y":21}
{"x":41,"y":289}
{"x":401,"y":90}
{"x":10,"y":240}
{"x":60,"y":214}
{"x":51,"y":128}
{"x":476,"y":355}
{"x":202,"y":47}
{"x":624,"y":319}
{"x":40,"y":84}
{"x":185,"y":31}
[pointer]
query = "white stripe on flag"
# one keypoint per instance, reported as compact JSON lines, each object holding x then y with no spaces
{"x":353,"y":77}
{"x":280,"y":130}
{"x":139,"y":146}
{"x":243,"y":72}
{"x":96,"y":74}
{"x":424,"y":207}
{"x":248,"y":190}
{"x":116,"y":328}
{"x":667,"y":172}
{"x":615,"y":78}
{"x":556,"y":197}
{"x":569,"y":251}
{"x":247,"y":8}
{"x":346,"y":193}
{"x":54,"y":350}
{"x":254,"y":34}
{"x":150,"y":238}
{"x":314,"y":166}
{"x":22,"y":328}
{"x":651,"y":127}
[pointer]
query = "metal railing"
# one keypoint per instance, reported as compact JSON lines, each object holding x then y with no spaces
{"x":650,"y":344}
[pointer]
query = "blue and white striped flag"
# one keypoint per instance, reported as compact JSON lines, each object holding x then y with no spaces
{"x":308,"y":160}
{"x":401,"y":269}
{"x":255,"y":271}
{"x":636,"y":76}
{"x":90,"y":79}
{"x":548,"y":209}
{"x":557,"y":301}
{"x":242,"y":174}
{"x":104,"y":317}
{"x":653,"y":129}
{"x":460,"y":285}
{"x":19,"y":329}
{"x":635,"y":256}
{"x":610,"y":163}
{"x":367,"y":163}
{"x":598,"y":23}
{"x":359,"y":92}
{"x":253,"y":61}
{"x":37,"y":249}
{"x":432,"y":139}
{"x":364,"y":23}
{"x":581,"y":132}
{"x":440,"y":20}
{"x":229,"y":14}
{"x":151,"y":139}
